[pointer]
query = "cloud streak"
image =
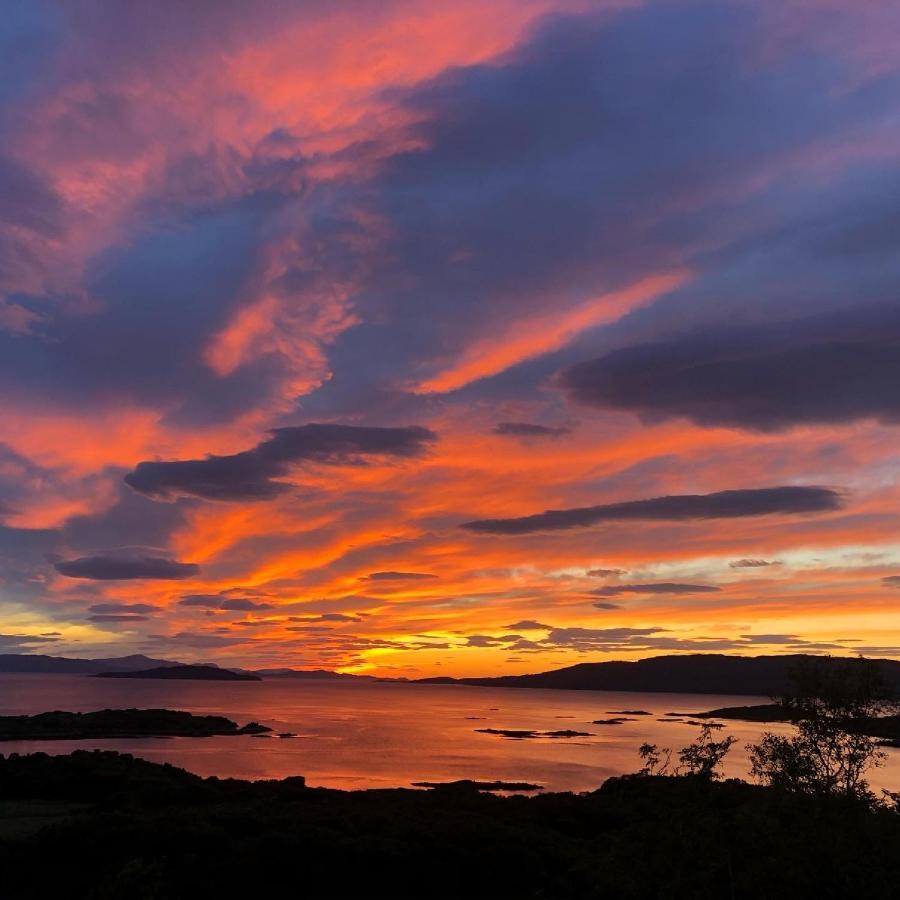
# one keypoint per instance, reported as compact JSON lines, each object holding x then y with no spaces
{"x":839,"y":367}
{"x":529,"y":429}
{"x":24,"y":643}
{"x":658,"y":587}
{"x":128,"y":608}
{"x":218,"y":601}
{"x":253,"y":474}
{"x":751,"y":563}
{"x":397,"y":576}
{"x":790,"y":500}
{"x":118,"y":568}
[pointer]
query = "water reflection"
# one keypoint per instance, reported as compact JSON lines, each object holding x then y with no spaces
{"x":360,"y":735}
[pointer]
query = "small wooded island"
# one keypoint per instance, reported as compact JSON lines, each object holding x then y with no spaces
{"x":185,"y":673}
{"x":119,"y":723}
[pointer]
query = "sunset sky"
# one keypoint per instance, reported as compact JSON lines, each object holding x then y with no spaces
{"x":417,"y":338}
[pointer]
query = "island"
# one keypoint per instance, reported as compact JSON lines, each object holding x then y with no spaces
{"x":521,"y":734}
{"x":186,"y":673}
{"x":119,"y":723}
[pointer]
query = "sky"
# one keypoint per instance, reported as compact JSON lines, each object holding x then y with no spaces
{"x":449,"y":338}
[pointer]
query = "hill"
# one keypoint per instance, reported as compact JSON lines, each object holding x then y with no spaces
{"x":137,"y":663}
{"x":707,"y":673}
{"x":186,"y":673}
{"x":62,"y":665}
{"x":313,"y":675}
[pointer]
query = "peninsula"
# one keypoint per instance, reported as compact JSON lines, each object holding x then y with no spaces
{"x":119,"y":723}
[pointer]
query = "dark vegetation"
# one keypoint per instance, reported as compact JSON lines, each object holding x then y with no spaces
{"x":186,"y":673}
{"x":107,"y":826}
{"x":834,"y":709}
{"x":119,"y":723}
{"x":834,"y":706}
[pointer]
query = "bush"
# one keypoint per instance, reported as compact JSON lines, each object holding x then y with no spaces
{"x":701,"y":759}
{"x":831,"y":751}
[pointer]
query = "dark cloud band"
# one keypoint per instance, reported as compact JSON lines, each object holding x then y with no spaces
{"x":253,"y":474}
{"x":528,"y":429}
{"x":790,"y":500}
{"x":132,"y":609}
{"x":397,"y":576}
{"x":114,"y":568}
{"x":659,"y":587}
{"x":826,"y":369}
{"x":218,"y":601}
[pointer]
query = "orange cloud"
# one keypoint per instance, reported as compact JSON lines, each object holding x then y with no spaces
{"x":542,"y":333}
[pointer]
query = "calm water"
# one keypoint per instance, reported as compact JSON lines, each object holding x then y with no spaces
{"x":352,"y":735}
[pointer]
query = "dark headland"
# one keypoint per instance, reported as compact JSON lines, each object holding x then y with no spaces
{"x":186,"y":673}
{"x":706,"y":673}
{"x":886,"y":727}
{"x":119,"y":723}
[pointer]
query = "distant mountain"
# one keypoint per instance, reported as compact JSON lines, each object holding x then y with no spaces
{"x":186,"y":673}
{"x":131,"y":665}
{"x":761,"y":676}
{"x":21,"y":662}
{"x":313,"y":674}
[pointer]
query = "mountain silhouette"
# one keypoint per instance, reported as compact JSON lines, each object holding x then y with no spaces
{"x":702,"y":673}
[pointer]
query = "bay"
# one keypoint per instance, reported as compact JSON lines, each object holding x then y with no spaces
{"x":361,"y":734}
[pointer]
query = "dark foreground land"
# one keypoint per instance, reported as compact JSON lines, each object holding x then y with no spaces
{"x":106,"y":825}
{"x":119,"y":723}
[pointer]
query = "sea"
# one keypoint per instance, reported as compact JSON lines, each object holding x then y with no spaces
{"x":359,"y":734}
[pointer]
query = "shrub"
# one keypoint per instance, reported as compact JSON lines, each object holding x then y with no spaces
{"x":832,"y":709}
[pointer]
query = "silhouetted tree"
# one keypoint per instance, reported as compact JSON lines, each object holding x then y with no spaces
{"x":656,"y":759}
{"x":701,"y":758}
{"x":832,"y":708}
{"x":704,"y":756}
